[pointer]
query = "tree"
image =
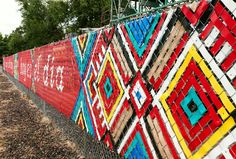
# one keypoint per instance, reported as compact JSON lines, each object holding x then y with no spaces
{"x":58,"y":12}
{"x":16,"y":41}
{"x":3,"y":45}
{"x":41,"y":23}
{"x":86,"y":13}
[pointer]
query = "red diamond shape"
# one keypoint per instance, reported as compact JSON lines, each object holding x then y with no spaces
{"x":140,"y":111}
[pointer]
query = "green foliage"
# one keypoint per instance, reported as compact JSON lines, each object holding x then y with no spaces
{"x":16,"y":41}
{"x":87,"y":13}
{"x":40,"y":22}
{"x":3,"y":45}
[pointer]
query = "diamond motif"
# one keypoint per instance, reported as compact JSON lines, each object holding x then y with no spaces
{"x":208,"y":121}
{"x":136,"y":149}
{"x":109,"y":88}
{"x":137,"y":145}
{"x":141,"y":34}
{"x":140,"y":96}
{"x":88,"y":84}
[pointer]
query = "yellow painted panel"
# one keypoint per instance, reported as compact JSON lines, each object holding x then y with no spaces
{"x":205,"y":69}
{"x":185,"y":148}
{"x":165,"y":105}
{"x":177,"y":132}
{"x":227,"y":104}
{"x":171,"y":119}
{"x":195,"y":54}
{"x":218,"y":89}
{"x":223,"y":113}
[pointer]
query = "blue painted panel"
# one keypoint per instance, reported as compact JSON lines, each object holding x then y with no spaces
{"x":140,"y":42}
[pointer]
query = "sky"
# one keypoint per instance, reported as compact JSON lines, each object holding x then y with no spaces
{"x":10,"y":16}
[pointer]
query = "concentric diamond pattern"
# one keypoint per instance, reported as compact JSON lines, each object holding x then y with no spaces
{"x":161,"y":84}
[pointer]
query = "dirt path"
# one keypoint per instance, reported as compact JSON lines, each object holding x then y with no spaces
{"x":25,"y":132}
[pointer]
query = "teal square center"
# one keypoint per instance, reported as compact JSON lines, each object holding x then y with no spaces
{"x":193,"y":106}
{"x":108,"y":87}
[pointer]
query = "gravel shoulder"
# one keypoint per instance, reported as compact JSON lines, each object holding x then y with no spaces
{"x":25,"y":132}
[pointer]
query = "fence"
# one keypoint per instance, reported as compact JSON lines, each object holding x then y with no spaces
{"x":160,"y":85}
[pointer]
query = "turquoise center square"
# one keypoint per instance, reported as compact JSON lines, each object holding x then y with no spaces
{"x":108,"y":87}
{"x":193,"y":106}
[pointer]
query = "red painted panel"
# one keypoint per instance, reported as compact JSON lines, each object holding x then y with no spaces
{"x":232,"y":150}
{"x":25,"y":68}
{"x":56,"y":76}
{"x":9,"y":65}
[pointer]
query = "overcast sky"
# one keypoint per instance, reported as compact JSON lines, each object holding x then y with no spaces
{"x":10,"y":16}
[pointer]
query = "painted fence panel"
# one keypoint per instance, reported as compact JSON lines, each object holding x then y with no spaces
{"x":8,"y":64}
{"x":162,"y":85}
{"x":25,"y":68}
{"x":56,"y":78}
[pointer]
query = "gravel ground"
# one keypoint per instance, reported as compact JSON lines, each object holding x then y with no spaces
{"x":25,"y":132}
